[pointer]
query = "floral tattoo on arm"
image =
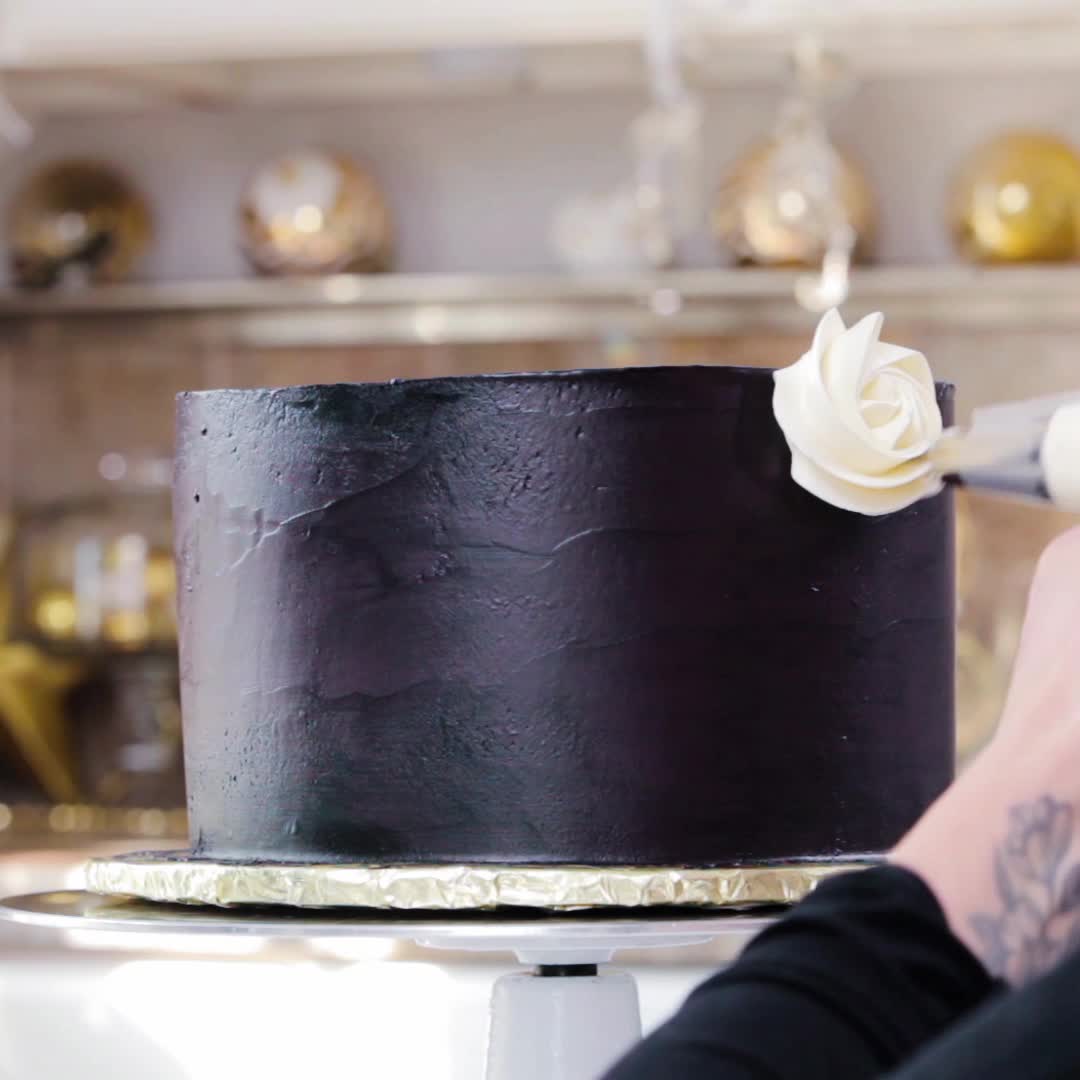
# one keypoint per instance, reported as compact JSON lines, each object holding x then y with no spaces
{"x":1039,"y":922}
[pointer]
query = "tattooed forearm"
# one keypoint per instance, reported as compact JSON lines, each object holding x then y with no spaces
{"x":1038,"y":884}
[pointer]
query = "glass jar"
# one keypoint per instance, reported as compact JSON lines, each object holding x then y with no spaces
{"x":94,"y":582}
{"x":96,"y":574}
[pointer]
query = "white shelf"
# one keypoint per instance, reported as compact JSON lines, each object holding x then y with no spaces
{"x":86,"y":64}
{"x":464,"y":309}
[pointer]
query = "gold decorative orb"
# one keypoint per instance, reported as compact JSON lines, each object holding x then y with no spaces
{"x":1017,"y":199}
{"x":315,"y":212}
{"x":765,"y":214}
{"x":160,"y":576}
{"x":56,"y":614}
{"x":76,"y":219}
{"x":126,"y":628}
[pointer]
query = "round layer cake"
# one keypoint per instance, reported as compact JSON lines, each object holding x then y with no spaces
{"x":562,"y":618}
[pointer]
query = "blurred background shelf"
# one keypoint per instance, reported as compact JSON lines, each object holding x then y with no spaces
{"x":473,"y":309}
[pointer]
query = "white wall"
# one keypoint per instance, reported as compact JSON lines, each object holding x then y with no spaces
{"x":42,"y":32}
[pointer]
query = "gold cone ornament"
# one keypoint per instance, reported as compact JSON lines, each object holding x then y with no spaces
{"x":76,"y":219}
{"x":765,"y":213}
{"x":1017,"y":199}
{"x":33,"y":687}
{"x":315,"y":212}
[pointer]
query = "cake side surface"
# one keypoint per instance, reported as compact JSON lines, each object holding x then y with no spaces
{"x":578,"y":617}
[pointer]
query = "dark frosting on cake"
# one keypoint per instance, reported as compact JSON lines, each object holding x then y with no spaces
{"x":576,"y":617}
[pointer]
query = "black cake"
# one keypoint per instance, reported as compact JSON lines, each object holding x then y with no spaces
{"x":560,"y":618}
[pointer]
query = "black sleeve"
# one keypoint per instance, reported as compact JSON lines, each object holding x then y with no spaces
{"x":848,"y":984}
{"x":1030,"y":1033}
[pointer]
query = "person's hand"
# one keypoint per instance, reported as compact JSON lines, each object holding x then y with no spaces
{"x":1001,"y":848}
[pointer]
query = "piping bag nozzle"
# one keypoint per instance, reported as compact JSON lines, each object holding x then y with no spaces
{"x":1029,"y":449}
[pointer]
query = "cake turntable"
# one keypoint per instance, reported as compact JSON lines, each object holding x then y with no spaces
{"x":569,"y":1018}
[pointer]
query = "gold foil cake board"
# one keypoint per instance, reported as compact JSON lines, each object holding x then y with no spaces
{"x":183,"y":880}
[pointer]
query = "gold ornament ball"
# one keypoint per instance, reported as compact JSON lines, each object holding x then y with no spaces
{"x":764,"y":217}
{"x":315,"y":212}
{"x":1017,"y":199}
{"x":76,"y":217}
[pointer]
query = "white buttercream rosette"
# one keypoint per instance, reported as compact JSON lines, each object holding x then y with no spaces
{"x":860,"y":417}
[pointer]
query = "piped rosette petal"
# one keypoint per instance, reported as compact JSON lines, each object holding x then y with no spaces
{"x":860,"y":417}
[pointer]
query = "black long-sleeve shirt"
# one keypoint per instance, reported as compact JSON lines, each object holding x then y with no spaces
{"x":854,"y":982}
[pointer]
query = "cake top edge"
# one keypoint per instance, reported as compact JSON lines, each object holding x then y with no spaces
{"x":944,"y":389}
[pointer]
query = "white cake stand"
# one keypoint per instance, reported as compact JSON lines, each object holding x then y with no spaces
{"x":568,"y":1019}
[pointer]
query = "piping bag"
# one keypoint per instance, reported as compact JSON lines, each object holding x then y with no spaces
{"x":1026,"y":449}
